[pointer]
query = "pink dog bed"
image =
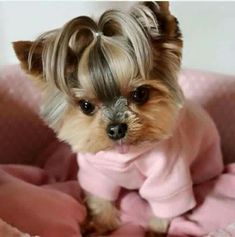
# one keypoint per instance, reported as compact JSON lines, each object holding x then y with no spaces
{"x":39,"y":193}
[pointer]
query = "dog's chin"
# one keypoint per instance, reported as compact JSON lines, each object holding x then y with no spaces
{"x":121,"y":146}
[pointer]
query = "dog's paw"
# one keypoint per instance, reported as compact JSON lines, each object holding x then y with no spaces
{"x":104,"y":217}
{"x":159,"y":225}
{"x":106,"y":222}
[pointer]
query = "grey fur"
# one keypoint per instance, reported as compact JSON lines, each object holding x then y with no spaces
{"x":110,"y":55}
{"x":101,"y":76}
{"x":117,"y":111}
{"x":54,"y":106}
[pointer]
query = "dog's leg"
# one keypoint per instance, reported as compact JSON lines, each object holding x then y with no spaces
{"x":104,"y":217}
{"x":158,"y":227}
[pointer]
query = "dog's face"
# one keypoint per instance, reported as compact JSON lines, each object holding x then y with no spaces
{"x":112,"y":83}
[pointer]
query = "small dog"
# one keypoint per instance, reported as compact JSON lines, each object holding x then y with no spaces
{"x":110,"y":90}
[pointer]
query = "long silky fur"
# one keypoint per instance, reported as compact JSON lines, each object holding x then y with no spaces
{"x":103,"y":62}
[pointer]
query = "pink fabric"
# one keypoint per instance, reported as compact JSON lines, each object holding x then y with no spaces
{"x":215,"y":210}
{"x":39,"y":202}
{"x":46,"y":200}
{"x":7,"y":230}
{"x":214,"y":215}
{"x":20,"y":125}
{"x":163,"y":172}
{"x":216,"y":93}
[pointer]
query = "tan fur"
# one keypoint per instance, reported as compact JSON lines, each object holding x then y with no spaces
{"x":79,"y":131}
{"x":105,"y":217}
{"x":100,"y":62}
{"x":158,"y":225}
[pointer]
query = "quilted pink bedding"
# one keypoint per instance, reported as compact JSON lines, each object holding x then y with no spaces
{"x":39,"y":191}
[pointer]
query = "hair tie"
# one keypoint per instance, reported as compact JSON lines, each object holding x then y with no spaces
{"x":98,"y":34}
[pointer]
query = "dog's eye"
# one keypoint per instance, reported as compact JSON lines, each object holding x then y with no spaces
{"x":86,"y":107}
{"x":140,"y":95}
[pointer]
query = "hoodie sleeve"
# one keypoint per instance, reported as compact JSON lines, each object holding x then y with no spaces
{"x":94,"y":182}
{"x":168,"y":185}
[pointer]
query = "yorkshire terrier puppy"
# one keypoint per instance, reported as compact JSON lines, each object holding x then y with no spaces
{"x":110,"y":90}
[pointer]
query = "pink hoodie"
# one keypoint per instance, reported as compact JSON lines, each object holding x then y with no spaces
{"x":164,"y":172}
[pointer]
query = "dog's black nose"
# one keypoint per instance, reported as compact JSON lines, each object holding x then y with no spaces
{"x":117,"y":131}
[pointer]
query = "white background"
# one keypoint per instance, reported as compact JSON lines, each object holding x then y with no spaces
{"x":208,"y":27}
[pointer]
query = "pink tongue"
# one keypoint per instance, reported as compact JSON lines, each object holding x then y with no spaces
{"x":122,"y":148}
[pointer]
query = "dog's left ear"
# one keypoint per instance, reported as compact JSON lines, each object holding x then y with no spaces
{"x":157,"y":19}
{"x":22,"y":50}
{"x":164,"y":33}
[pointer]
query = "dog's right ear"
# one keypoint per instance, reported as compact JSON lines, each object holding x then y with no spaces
{"x":31,"y":65}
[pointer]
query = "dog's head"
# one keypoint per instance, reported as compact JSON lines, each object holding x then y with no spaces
{"x":109,"y":83}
